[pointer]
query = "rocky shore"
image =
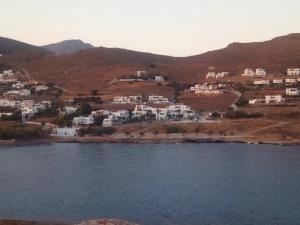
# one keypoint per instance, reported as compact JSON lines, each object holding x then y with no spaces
{"x":150,"y":140}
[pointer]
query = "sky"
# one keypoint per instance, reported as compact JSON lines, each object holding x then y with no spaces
{"x":170,"y":27}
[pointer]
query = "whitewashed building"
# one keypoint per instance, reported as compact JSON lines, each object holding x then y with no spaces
{"x":273,"y":99}
{"x":159,"y":79}
{"x":260,"y":72}
{"x":261,"y":82}
{"x":291,"y":81}
{"x":41,"y":88}
{"x":153,"y":99}
{"x":277,"y":81}
{"x":65,"y":132}
{"x":293,"y":72}
{"x":69,"y":110}
{"x":248,"y":73}
{"x":256,"y":101}
{"x":120,"y":100}
{"x":83,"y":120}
{"x":18,"y":85}
{"x":292,"y":91}
{"x":211,"y":75}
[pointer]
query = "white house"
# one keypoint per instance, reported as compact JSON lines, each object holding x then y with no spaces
{"x":290,"y":81}
{"x":5,"y":114}
{"x":41,"y":88}
{"x":292,"y":91}
{"x":261,"y":82}
{"x":248,"y":73}
{"x":116,"y":118}
{"x":209,"y":92}
{"x":69,"y":110}
{"x":83,"y":120}
{"x":159,"y":79}
{"x":275,"y":99}
{"x":8,"y":73}
{"x":211,"y":75}
{"x":256,"y":101}
{"x":25,"y":92}
{"x":260,"y":72}
{"x":157,"y":100}
{"x":10,"y":103}
{"x":277,"y":81}
{"x":221,"y":75}
{"x":293,"y":72}
{"x":65,"y":132}
{"x":18,"y":85}
{"x":120,"y":100}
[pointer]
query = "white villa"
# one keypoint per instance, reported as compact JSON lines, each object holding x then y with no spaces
{"x":83,"y":120}
{"x":10,"y":103}
{"x":256,"y":101}
{"x":18,"y":85}
{"x":69,"y":110}
{"x":159,"y":79}
{"x":293,"y":72}
{"x":127,"y":100}
{"x":292,"y":91}
{"x":116,"y":118}
{"x":261,"y":82}
{"x":216,"y":75}
{"x":153,"y":99}
{"x":277,"y":81}
{"x":41,"y":88}
{"x":65,"y":132}
{"x":290,"y":81}
{"x":273,"y":99}
{"x":257,"y":73}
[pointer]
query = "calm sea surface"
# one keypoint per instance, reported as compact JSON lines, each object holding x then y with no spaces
{"x":165,"y":184}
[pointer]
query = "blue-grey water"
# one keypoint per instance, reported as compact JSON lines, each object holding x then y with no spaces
{"x":164,"y":184}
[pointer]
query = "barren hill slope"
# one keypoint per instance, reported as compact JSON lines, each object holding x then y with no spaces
{"x":94,"y":68}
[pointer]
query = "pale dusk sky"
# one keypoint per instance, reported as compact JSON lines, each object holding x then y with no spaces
{"x":171,"y":27}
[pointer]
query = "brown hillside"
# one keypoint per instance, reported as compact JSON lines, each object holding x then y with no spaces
{"x":94,"y":68}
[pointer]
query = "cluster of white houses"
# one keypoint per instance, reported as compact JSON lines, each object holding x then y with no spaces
{"x":153,"y":99}
{"x":17,"y":90}
{"x":262,"y":73}
{"x":141,"y":112}
{"x":216,"y":75}
{"x":208,"y":89}
{"x":28,"y":107}
{"x":287,"y":81}
{"x":293,"y":72}
{"x":139,"y":77}
{"x":257,"y":73}
{"x":269,"y":99}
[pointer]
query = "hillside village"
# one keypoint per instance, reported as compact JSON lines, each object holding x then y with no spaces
{"x":33,"y":103}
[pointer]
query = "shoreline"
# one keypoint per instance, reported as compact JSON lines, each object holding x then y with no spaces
{"x":143,"y":140}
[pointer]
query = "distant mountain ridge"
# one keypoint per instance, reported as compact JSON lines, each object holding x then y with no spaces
{"x":67,"y":47}
{"x":9,"y":46}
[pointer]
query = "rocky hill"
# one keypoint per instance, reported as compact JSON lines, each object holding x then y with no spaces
{"x":67,"y":47}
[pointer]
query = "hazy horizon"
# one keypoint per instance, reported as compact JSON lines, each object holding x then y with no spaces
{"x":171,"y":27}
